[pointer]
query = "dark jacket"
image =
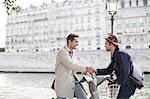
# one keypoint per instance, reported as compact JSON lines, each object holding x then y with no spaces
{"x":120,"y":63}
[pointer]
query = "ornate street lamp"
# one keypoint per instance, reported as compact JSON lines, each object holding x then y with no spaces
{"x":112,"y":10}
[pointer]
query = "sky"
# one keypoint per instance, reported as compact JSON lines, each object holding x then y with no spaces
{"x":3,"y":15}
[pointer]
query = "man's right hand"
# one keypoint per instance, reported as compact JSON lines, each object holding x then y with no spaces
{"x":90,"y":70}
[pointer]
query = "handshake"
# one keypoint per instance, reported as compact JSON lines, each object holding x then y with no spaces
{"x":89,"y":70}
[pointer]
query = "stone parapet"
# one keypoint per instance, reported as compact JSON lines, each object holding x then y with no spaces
{"x":45,"y":61}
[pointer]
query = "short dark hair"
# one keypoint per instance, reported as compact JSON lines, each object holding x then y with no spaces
{"x":71,"y":37}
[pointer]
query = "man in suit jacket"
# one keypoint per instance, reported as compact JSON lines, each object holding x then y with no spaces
{"x":65,"y":69}
{"x":120,"y":64}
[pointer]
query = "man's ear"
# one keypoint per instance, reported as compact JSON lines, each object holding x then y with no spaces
{"x":69,"y":41}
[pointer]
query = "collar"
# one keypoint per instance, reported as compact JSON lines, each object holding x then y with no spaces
{"x":114,"y":52}
{"x":66,"y":47}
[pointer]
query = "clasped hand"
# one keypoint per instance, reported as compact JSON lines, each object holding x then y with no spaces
{"x":89,"y":70}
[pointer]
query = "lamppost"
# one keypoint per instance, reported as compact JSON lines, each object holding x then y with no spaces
{"x":112,"y":10}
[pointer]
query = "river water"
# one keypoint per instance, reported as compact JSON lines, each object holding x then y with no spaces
{"x":43,"y":81}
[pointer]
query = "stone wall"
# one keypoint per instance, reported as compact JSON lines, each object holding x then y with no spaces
{"x":45,"y":61}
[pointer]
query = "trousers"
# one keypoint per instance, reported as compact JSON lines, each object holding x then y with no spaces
{"x":93,"y":86}
{"x":79,"y":91}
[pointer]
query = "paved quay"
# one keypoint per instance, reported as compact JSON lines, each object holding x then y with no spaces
{"x":26,"y":93}
{"x":47,"y":93}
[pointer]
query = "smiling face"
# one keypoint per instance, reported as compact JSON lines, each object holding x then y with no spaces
{"x":111,"y":43}
{"x":107,"y":45}
{"x":74,"y":43}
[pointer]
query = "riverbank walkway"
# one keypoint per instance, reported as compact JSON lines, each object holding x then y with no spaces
{"x":47,"y":93}
{"x":26,"y":93}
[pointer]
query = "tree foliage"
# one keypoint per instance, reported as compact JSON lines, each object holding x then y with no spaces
{"x":2,"y":49}
{"x":11,"y":6}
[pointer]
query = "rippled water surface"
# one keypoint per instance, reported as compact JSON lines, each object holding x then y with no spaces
{"x":44,"y":80}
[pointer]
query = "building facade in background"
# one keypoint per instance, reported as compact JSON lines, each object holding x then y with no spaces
{"x":27,"y":30}
{"x":83,"y":17}
{"x":45,"y":27}
{"x":132,"y":24}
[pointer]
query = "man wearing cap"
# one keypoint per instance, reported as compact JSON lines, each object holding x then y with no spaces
{"x":120,"y":65}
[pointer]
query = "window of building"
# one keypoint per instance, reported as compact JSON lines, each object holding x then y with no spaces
{"x":66,"y":26}
{"x":58,"y":26}
{"x":76,"y":20}
{"x":76,"y":28}
{"x":89,"y":28}
{"x":135,"y":40}
{"x":97,"y":18}
{"x":119,"y":41}
{"x":97,"y":10}
{"x":141,"y":22}
{"x":141,"y":38}
{"x":128,"y":39}
{"x":98,"y":42}
{"x":53,"y":49}
{"x":12,"y":40}
{"x":82,"y":27}
{"x":89,"y":42}
{"x":89,"y":19}
{"x":89,"y":11}
{"x":56,"y":4}
{"x":134,"y":23}
{"x":127,"y":25}
{"x":98,"y":34}
{"x":71,"y":25}
{"x":97,"y":27}
{"x":82,"y":20}
{"x":148,"y":21}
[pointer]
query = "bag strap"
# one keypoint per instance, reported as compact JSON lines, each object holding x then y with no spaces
{"x":131,"y":67}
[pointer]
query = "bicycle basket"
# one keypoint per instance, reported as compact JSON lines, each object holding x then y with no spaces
{"x":113,"y":90}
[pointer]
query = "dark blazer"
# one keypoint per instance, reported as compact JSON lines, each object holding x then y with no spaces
{"x":120,"y":63}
